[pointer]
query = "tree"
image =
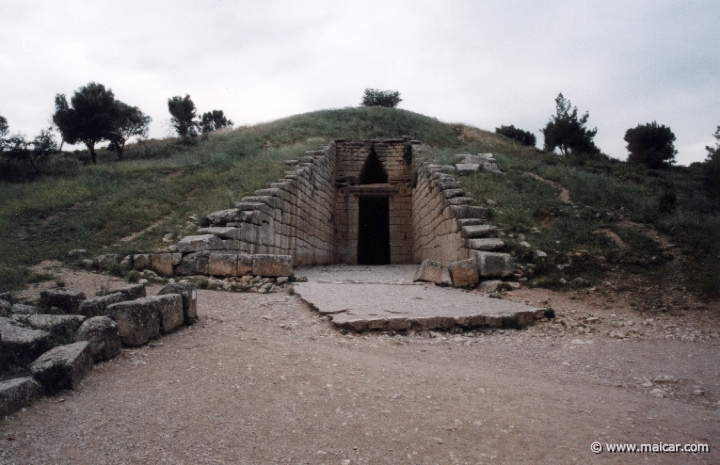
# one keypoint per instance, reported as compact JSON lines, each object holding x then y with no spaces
{"x":381,"y":98}
{"x":90,"y":118}
{"x":711,"y":168}
{"x":3,"y":128}
{"x":524,"y":137}
{"x":15,"y":150}
{"x":183,"y":114}
{"x":213,"y":120}
{"x":130,"y":122}
{"x":568,"y":132}
{"x":651,"y":145}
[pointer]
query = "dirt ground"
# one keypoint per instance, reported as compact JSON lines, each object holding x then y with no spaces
{"x":262,"y":379}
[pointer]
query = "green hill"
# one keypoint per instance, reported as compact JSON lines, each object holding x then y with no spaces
{"x":166,"y":187}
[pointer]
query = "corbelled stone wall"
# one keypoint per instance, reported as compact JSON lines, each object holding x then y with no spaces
{"x":395,"y":156}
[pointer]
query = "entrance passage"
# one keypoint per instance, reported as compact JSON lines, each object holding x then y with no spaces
{"x":374,"y":231}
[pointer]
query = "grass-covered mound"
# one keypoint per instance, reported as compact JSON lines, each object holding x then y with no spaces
{"x":172,"y":184}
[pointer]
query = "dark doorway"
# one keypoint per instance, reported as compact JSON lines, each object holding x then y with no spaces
{"x":374,"y":231}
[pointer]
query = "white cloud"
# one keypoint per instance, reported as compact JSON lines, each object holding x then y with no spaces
{"x":484,"y":63}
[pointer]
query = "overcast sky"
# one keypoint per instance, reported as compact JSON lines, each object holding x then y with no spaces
{"x":484,"y":63}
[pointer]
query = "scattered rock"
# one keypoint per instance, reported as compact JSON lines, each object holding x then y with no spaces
{"x":188,"y":292}
{"x":17,"y":393}
{"x":62,"y":327}
{"x":66,"y":299}
{"x":430,"y":272}
{"x":103,"y":335}
{"x":657,"y":392}
{"x":21,"y":344}
{"x":63,"y":367}
{"x":22,"y":309}
{"x":96,"y":306}
{"x":463,"y":273}
{"x":493,"y":264}
{"x":138,"y":321}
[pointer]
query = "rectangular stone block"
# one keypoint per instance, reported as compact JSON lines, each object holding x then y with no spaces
{"x":141,"y":261}
{"x":170,"y":309}
{"x":222,"y":264}
{"x":17,"y":393}
{"x":429,"y":271}
{"x":244,"y":264}
{"x":188,"y":292}
{"x":162,"y":263}
{"x":468,"y":211}
{"x":493,"y":264}
{"x":199,"y":243}
{"x":63,"y":367}
{"x":272,"y":265}
{"x":138,"y":320}
{"x":463,"y":273}
{"x":194,"y":263}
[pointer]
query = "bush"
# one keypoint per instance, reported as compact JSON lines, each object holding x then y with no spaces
{"x":711,"y":169}
{"x":524,"y":137}
{"x":381,"y":98}
{"x":651,"y":145}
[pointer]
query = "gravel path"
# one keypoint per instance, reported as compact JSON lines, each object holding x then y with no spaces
{"x":261,"y":379}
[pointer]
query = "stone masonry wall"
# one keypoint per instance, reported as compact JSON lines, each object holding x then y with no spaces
{"x":439,"y":212}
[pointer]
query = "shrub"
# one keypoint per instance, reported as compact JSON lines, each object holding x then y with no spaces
{"x":524,"y":137}
{"x":381,"y":98}
{"x":651,"y":144}
{"x":568,"y":132}
{"x":711,"y":169}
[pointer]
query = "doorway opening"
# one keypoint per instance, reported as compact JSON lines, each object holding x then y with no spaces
{"x":374,"y":231}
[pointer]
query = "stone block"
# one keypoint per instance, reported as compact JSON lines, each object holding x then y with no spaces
{"x":244,"y":264}
{"x":61,"y":327}
{"x":63,"y":367}
{"x":485,"y":244}
{"x":493,"y":264}
{"x":480,"y":230}
{"x":170,"y":307}
{"x":22,"y":309}
{"x":21,"y":344}
{"x":468,"y":211}
{"x":188,"y":292}
{"x":5,"y":308}
{"x":463,"y":273}
{"x":141,"y":261}
{"x":7,"y":297}
{"x":96,"y":306}
{"x":460,"y":201}
{"x":138,"y":320}
{"x":200,"y":243}
{"x":225,"y":216}
{"x":66,"y":299}
{"x":430,"y":272}
{"x":103,"y":335}
{"x":162,"y":263}
{"x":490,"y":286}
{"x":447,"y":183}
{"x":17,"y":393}
{"x":131,"y":292}
{"x":222,"y":264}
{"x":464,"y":169}
{"x":272,"y":265}
{"x":193,"y":264}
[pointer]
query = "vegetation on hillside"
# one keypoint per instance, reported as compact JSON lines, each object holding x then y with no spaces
{"x":173,"y":185}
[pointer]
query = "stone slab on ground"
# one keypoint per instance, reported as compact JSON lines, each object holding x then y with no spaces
{"x":18,"y":393}
{"x":66,"y":299}
{"x":103,"y":335}
{"x":138,"y":320}
{"x":188,"y":292}
{"x":359,"y":306}
{"x":58,"y":325}
{"x":63,"y":367}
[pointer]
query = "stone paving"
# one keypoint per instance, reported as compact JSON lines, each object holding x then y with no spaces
{"x":385,"y":298}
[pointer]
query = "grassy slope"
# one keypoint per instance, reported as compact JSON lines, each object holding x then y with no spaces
{"x":163,"y":179}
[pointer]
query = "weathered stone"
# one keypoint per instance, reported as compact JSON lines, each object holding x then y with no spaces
{"x":104,"y":261}
{"x":5,"y":308}
{"x":488,"y":165}
{"x":222,"y":232}
{"x":61,"y":327}
{"x":490,"y":286}
{"x":468,"y":211}
{"x":460,"y":201}
{"x":447,"y":183}
{"x":103,"y":335}
{"x":493,"y":264}
{"x":224,"y":216}
{"x":430,"y":272}
{"x":66,"y":299}
{"x":18,"y":393}
{"x":96,"y":305}
{"x":467,"y":168}
{"x":193,"y":264}
{"x":141,"y":261}
{"x":7,"y":297}
{"x":244,"y":264}
{"x":126,"y":262}
{"x":162,"y":263}
{"x":480,"y":230}
{"x":132,"y":292}
{"x":201,"y":242}
{"x":170,"y":307}
{"x":223,"y":264}
{"x":485,"y":244}
{"x":188,"y":292}
{"x":453,"y":193}
{"x":21,"y":344}
{"x":63,"y":367}
{"x":22,"y":309}
{"x":463,"y":273}
{"x":138,"y":320}
{"x":272,"y":265}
